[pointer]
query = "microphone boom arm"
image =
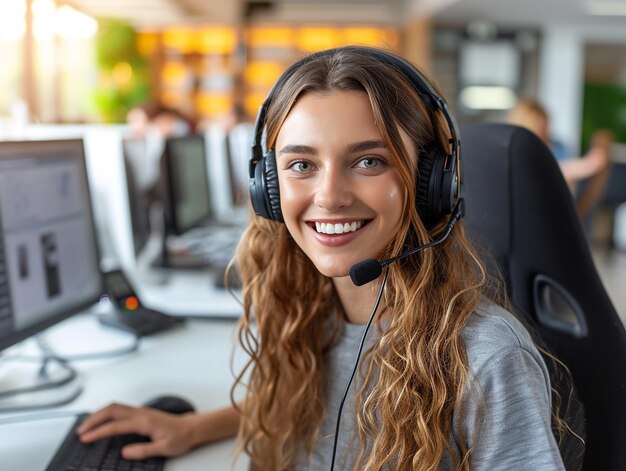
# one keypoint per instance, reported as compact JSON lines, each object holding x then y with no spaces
{"x":457,"y":213}
{"x":370,"y":269}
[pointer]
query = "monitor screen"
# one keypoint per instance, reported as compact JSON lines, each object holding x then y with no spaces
{"x":48,"y":251}
{"x":139,"y":191}
{"x":187,"y":181}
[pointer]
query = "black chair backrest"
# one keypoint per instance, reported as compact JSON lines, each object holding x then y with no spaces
{"x":518,"y":208}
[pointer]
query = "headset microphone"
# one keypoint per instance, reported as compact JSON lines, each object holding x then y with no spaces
{"x":370,"y":269}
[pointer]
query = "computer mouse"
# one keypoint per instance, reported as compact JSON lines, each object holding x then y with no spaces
{"x":171,"y":404}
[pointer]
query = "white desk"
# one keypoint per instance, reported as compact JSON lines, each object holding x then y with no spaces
{"x":193,"y":361}
{"x":186,"y":293}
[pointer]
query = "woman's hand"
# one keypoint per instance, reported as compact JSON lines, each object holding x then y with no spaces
{"x":170,"y":435}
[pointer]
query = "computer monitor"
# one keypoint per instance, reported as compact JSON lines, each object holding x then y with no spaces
{"x":188,"y":192}
{"x":139,"y":192}
{"x":48,"y":252}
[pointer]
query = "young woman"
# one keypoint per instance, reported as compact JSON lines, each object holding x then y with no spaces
{"x":448,"y":378}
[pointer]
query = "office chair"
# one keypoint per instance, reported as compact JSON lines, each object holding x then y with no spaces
{"x":520,"y":210}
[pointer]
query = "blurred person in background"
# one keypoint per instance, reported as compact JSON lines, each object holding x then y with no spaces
{"x":239,"y":136}
{"x":586,"y":176}
{"x":231,"y":134}
{"x":156,"y":118}
{"x":154,"y":123}
{"x":533,"y":116}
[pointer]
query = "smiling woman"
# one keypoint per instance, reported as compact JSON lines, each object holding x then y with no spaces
{"x":358,"y":166}
{"x":360,"y":162}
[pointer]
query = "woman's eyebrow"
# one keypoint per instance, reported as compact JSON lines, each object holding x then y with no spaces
{"x":365,"y":145}
{"x":297,"y":149}
{"x":351,"y":149}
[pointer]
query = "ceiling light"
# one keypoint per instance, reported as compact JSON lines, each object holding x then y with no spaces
{"x":606,"y":8}
{"x":488,"y":97}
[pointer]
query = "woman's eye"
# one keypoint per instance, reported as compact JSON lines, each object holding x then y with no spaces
{"x":370,"y":163}
{"x":301,"y":167}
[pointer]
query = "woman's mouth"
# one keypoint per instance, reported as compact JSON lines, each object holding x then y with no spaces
{"x":337,"y":228}
{"x":335,"y":234}
{"x":330,"y":228}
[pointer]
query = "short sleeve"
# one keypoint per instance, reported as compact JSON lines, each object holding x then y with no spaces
{"x":506,"y":418}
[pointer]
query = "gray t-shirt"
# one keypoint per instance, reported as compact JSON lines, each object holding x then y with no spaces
{"x":515,"y":412}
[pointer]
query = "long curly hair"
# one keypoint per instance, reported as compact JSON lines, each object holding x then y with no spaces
{"x":415,"y":375}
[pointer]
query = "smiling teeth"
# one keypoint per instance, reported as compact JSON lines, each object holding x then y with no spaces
{"x":327,"y":228}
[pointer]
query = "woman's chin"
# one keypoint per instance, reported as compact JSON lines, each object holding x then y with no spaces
{"x":333,"y":271}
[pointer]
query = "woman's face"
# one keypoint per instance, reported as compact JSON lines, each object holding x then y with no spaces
{"x":340,"y":196}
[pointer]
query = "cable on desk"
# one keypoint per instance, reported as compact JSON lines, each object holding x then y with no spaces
{"x":49,"y":357}
{"x":47,"y":415}
{"x":42,"y":373}
{"x":47,"y":385}
{"x":133,"y":347}
{"x":45,"y":347}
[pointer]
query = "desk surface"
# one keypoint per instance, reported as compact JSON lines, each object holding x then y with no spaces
{"x":193,"y":361}
{"x":187,"y":293}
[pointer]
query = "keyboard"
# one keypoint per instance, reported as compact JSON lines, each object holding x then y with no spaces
{"x":216,"y":247}
{"x":103,"y":455}
{"x":141,"y":322}
{"x":204,"y":250}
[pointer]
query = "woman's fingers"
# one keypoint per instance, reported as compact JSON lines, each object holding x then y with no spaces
{"x":141,"y":451}
{"x":114,"y":427}
{"x":169,"y":435}
{"x":115,"y":420}
{"x":110,"y":412}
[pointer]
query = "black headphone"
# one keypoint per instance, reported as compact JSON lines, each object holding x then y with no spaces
{"x":438,"y":171}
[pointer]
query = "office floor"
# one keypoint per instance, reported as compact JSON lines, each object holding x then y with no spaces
{"x":611,"y":265}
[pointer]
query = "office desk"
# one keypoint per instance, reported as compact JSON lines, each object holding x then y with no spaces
{"x":193,"y":361}
{"x":186,"y":292}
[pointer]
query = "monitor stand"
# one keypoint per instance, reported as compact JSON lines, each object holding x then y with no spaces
{"x":29,"y":385}
{"x":148,"y":267}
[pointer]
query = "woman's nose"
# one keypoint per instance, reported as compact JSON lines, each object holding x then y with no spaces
{"x":334,"y":191}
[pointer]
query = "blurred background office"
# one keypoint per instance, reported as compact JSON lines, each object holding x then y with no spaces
{"x":114,"y":70}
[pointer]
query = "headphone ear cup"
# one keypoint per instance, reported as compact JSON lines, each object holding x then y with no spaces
{"x":450,"y":187}
{"x":257,"y":190}
{"x":431,"y":200}
{"x":425,"y":163}
{"x":272,"y":192}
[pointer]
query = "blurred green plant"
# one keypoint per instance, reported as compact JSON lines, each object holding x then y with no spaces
{"x":124,"y":72}
{"x":604,"y":108}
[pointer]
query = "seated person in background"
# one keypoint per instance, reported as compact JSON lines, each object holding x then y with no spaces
{"x":239,"y":133}
{"x":137,"y":120}
{"x":450,"y":379}
{"x":233,"y":132}
{"x":154,"y":117}
{"x":532,"y":116}
{"x":592,"y":191}
{"x":154,"y":123}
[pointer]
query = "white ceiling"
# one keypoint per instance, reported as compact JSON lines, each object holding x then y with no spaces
{"x":533,"y":12}
{"x":508,"y":12}
{"x":161,"y":12}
